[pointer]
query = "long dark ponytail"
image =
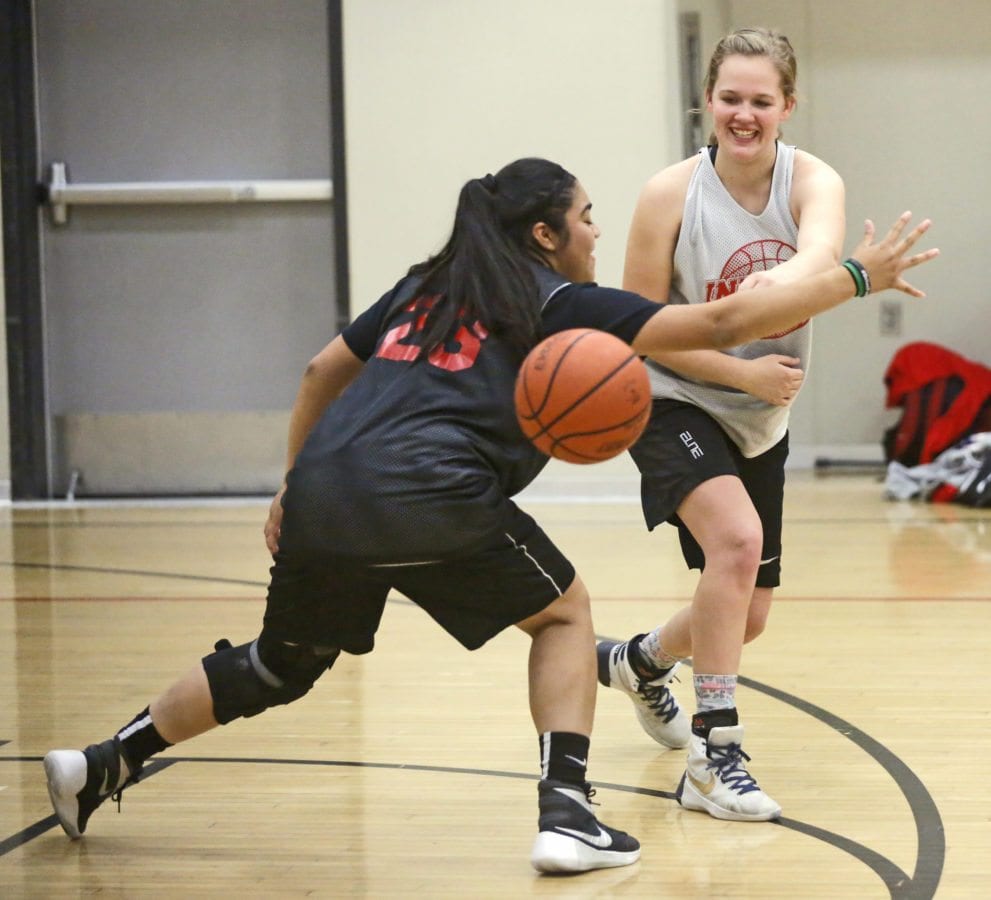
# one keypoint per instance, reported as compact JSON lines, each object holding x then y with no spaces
{"x":484,"y":271}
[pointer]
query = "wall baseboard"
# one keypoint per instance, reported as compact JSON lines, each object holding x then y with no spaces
{"x":166,"y":454}
{"x":617,"y":480}
{"x":169,"y":453}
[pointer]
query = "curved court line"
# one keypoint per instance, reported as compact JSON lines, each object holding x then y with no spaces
{"x":931,"y":841}
{"x":893,"y":877}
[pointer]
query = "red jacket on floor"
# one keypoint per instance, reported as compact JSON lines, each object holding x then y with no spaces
{"x":945,"y":397}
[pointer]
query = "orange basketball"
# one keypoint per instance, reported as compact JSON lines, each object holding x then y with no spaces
{"x":582,"y":396}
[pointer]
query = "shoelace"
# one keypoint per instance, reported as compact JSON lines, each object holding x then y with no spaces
{"x":132,"y":779}
{"x":728,"y":762}
{"x":659,"y":699}
{"x":589,"y":794}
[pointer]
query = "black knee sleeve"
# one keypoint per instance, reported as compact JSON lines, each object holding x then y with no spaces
{"x":248,"y":679}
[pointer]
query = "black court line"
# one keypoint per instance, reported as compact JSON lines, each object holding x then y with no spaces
{"x":49,"y":822}
{"x":931,"y":838}
{"x":900,"y":885}
{"x":931,"y":845}
{"x":893,"y":877}
{"x":102,"y":570}
{"x":186,"y":525}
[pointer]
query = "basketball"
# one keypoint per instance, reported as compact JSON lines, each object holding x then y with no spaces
{"x":582,"y":396}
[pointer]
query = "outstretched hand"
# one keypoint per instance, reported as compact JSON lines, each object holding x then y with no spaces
{"x":886,"y":260}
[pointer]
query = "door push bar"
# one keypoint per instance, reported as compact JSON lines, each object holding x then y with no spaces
{"x":59,"y":194}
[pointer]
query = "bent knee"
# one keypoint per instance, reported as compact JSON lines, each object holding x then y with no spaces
{"x":573,"y":607}
{"x":757,"y":615}
{"x":737,"y":550}
{"x":246,"y":680}
{"x":755,"y":628}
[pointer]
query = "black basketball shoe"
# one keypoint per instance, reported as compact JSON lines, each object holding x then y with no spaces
{"x":571,"y":838}
{"x":80,"y":780}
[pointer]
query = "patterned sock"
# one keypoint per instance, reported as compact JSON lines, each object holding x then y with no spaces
{"x":714,"y":694}
{"x":640,"y":662}
{"x":651,"y":649}
{"x":564,"y":756}
{"x":140,"y":739}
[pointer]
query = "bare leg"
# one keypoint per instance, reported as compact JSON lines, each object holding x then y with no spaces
{"x":760,"y":609}
{"x":562,"y":703}
{"x":185,"y":709}
{"x":562,"y":663}
{"x":726,"y":607}
{"x":722,"y":519}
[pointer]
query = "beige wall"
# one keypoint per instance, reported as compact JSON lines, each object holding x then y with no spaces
{"x":441,"y":91}
{"x":4,"y":399}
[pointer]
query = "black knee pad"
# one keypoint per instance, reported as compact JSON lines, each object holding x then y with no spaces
{"x":248,"y":679}
{"x":293,"y":663}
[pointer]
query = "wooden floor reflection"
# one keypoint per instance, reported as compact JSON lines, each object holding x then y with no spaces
{"x":411,"y":771}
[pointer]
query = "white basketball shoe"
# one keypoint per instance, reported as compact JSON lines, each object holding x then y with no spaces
{"x":716,"y":779}
{"x":657,"y":710}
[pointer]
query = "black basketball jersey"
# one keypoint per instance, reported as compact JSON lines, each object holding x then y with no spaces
{"x":417,"y":460}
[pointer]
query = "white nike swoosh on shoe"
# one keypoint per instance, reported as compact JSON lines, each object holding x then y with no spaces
{"x":575,"y":759}
{"x":573,"y":794}
{"x":600,"y":840}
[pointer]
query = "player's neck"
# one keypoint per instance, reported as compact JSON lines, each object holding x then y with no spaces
{"x":748,"y":181}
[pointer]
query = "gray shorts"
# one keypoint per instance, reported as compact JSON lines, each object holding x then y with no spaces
{"x":672,"y":466}
{"x":338,"y":602}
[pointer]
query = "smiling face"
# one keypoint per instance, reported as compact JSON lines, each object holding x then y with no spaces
{"x":571,"y":251}
{"x":748,"y":105}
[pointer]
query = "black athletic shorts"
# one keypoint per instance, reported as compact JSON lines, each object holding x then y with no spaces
{"x":338,"y":602}
{"x":684,"y":446}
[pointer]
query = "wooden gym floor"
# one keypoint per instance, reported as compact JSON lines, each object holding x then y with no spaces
{"x":411,"y":771}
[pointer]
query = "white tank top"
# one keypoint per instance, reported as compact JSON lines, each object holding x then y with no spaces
{"x":719,"y":244}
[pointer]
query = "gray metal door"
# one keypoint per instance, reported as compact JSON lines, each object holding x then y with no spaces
{"x":176,"y":332}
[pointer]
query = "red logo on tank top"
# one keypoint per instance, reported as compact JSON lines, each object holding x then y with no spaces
{"x":757,"y":256}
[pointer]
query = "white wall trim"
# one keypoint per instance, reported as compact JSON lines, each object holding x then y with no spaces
{"x":617,"y":480}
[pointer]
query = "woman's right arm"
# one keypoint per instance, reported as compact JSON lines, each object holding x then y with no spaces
{"x":654,"y":232}
{"x":775,"y":308}
{"x":324,"y":380}
{"x":649,"y":269}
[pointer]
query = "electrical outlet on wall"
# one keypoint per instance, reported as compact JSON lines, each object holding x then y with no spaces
{"x":890,"y":314}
